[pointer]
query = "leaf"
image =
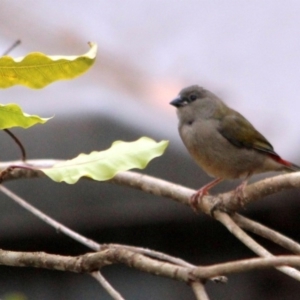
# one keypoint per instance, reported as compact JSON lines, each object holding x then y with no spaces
{"x":104,"y":165}
{"x":11,"y":115}
{"x":14,"y":296}
{"x":36,"y":70}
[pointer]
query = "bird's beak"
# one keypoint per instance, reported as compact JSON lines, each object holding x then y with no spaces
{"x":177,"y":102}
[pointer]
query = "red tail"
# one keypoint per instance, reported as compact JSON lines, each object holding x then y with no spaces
{"x":287,"y":164}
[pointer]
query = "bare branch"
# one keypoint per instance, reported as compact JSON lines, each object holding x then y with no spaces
{"x":19,"y":173}
{"x":181,"y":194}
{"x":251,"y":244}
{"x":199,"y":291}
{"x":160,"y":187}
{"x":92,"y":262}
{"x":165,"y":257}
{"x":267,"y":233}
{"x":106,"y":285}
{"x":58,"y":226}
{"x":155,"y":254}
{"x":245,"y":266}
{"x":85,"y":241}
{"x":18,"y":142}
{"x":261,"y":189}
{"x":94,"y":245}
{"x":12,"y":47}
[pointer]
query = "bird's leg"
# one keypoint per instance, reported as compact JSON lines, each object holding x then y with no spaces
{"x":196,"y":198}
{"x":239,"y":191}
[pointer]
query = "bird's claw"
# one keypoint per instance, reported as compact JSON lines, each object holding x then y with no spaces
{"x":196,"y":198}
{"x":240,"y":195}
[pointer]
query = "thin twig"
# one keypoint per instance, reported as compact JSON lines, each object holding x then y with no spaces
{"x":246,"y":265}
{"x":107,"y":286}
{"x":74,"y":235}
{"x":165,"y":257}
{"x":92,"y":244}
{"x":12,"y":47}
{"x":156,"y":254}
{"x":267,"y":233}
{"x":58,"y":226}
{"x":18,"y":142}
{"x":251,"y":244}
{"x":199,"y":291}
{"x":182,"y":194}
{"x":83,"y":240}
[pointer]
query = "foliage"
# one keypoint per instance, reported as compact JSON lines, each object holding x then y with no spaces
{"x":12,"y":116}
{"x":36,"y":70}
{"x":104,"y":165}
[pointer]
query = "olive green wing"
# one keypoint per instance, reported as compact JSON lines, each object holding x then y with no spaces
{"x":241,"y":133}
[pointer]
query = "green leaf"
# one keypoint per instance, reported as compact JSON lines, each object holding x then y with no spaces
{"x":11,"y":115}
{"x":37,"y":70}
{"x":15,"y":296}
{"x":104,"y":165}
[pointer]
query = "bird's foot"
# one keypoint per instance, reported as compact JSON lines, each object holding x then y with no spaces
{"x":197,"y":197}
{"x":239,"y":194}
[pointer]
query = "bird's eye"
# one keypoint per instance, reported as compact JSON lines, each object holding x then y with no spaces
{"x":193,"y":97}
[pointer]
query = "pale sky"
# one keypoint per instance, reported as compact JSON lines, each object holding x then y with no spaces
{"x":247,"y":52}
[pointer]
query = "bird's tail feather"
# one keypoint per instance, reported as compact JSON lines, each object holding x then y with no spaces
{"x":288,"y":166}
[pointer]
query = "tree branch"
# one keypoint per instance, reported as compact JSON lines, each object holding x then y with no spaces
{"x":246,"y":266}
{"x":199,"y":291}
{"x":92,"y":262}
{"x":94,"y":245}
{"x":251,"y":244}
{"x":107,"y":286}
{"x":58,"y":226}
{"x":267,"y":233}
{"x":181,"y":194}
{"x":159,"y":187}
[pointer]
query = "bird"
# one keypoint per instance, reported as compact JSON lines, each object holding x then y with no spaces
{"x":223,"y":142}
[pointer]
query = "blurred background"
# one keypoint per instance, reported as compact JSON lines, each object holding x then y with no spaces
{"x":246,"y":52}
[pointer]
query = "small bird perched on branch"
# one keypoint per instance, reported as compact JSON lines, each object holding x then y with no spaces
{"x":222,"y":141}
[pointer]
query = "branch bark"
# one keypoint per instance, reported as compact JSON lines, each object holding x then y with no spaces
{"x":92,"y":262}
{"x":251,"y":243}
{"x":180,"y":270}
{"x":159,"y":187}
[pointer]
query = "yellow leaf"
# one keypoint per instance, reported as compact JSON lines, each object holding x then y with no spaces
{"x":36,"y":70}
